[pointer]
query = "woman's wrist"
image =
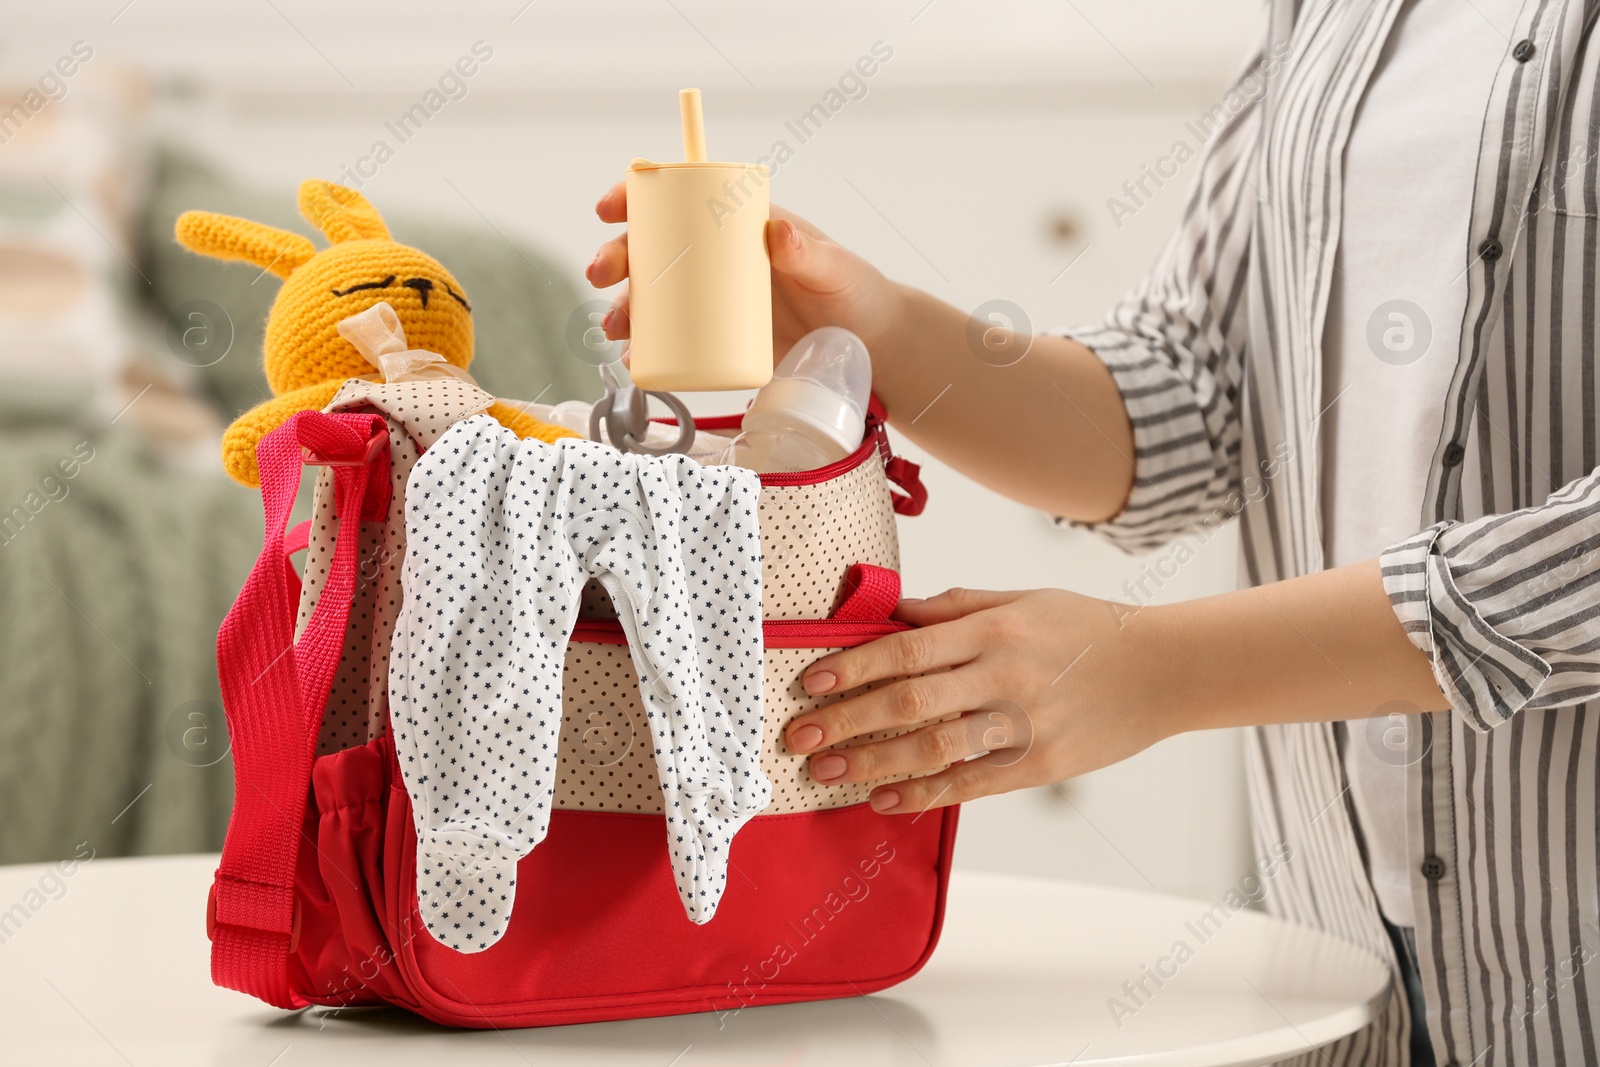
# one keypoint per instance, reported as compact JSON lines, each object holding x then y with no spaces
{"x":890,"y":343}
{"x":1157,"y":666}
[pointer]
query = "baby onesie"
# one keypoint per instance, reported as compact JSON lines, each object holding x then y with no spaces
{"x":501,"y":536}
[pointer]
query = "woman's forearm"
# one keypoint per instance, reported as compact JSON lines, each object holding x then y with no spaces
{"x":1038,"y":419}
{"x":1065,"y":684}
{"x":1046,"y":428}
{"x":1319,"y":648}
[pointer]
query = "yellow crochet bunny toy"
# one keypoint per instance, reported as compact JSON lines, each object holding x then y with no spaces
{"x":306,"y":358}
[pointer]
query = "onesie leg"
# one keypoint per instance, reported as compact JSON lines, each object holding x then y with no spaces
{"x":474,"y":682}
{"x":687,"y":587}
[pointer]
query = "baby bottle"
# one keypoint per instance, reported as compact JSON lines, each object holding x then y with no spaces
{"x":813,"y":411}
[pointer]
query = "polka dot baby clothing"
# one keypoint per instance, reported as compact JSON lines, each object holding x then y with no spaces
{"x":501,"y":536}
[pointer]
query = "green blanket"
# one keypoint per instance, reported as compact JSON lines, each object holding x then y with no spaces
{"x":115,"y":572}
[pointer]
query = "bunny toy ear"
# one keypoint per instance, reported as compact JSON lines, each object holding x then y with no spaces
{"x":226,"y":237}
{"x":341,"y":214}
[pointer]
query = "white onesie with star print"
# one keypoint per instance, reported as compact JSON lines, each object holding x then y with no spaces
{"x":502,"y":533}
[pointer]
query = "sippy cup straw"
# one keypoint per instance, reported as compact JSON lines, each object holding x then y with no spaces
{"x":694,"y":126}
{"x":699,"y":280}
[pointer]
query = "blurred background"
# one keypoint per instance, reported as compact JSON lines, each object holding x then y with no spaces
{"x":1015,"y":150}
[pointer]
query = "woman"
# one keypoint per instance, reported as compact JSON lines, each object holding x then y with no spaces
{"x":1372,"y":338}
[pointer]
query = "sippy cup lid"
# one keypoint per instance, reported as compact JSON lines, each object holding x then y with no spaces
{"x":694,"y":140}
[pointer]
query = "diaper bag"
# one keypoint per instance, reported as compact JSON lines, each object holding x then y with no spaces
{"x":314,"y":900}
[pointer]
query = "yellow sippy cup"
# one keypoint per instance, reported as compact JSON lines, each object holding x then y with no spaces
{"x":699,"y":280}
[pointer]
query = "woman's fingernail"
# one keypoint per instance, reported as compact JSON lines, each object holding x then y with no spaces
{"x":910,"y":600}
{"x":827,"y":768}
{"x":805,"y":738}
{"x":885,"y":799}
{"x":593,"y":263}
{"x":819,"y":682}
{"x":610,"y":316}
{"x":794,"y":235}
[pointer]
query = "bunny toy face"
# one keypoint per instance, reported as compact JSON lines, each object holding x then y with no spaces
{"x":361,"y":266}
{"x":303,"y":345}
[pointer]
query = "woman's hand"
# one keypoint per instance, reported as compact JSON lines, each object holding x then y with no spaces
{"x":1049,"y":683}
{"x":815,"y":282}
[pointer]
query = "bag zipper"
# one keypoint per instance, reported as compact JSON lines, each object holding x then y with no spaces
{"x":823,"y":474}
{"x":874,"y":441}
{"x":776,"y":633}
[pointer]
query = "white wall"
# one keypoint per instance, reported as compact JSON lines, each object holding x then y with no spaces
{"x":978,"y":165}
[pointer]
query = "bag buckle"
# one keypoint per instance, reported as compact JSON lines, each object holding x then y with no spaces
{"x":211,"y":919}
{"x":376,"y":444}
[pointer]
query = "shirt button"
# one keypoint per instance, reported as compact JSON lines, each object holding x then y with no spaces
{"x":1523,"y":51}
{"x":1454,"y":454}
{"x":1491,"y":250}
{"x":1432,"y":868}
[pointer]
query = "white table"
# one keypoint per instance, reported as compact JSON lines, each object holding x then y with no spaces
{"x":112,"y":969}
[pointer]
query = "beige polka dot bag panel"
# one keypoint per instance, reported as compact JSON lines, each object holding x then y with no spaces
{"x":316,"y":899}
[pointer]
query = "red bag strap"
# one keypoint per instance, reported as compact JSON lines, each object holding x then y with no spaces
{"x":274,"y":690}
{"x":900,"y":471}
{"x":873,"y":593}
{"x":297,"y":538}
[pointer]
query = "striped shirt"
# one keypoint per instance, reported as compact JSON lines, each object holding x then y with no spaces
{"x":1218,"y":357}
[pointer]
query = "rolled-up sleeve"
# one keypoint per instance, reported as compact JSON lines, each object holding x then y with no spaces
{"x":1175,"y":348}
{"x":1182,"y":465}
{"x":1507,"y":607}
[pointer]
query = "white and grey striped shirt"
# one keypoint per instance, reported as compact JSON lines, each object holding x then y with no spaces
{"x":1218,"y":356}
